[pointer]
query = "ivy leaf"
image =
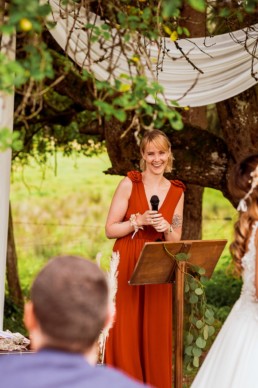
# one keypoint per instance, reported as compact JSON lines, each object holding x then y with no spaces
{"x":198,"y":291}
{"x":188,"y":350}
{"x":181,"y":256}
{"x":189,"y":338}
{"x":211,"y":330}
{"x":200,"y":342}
{"x":193,"y":298}
{"x":197,"y":351}
{"x":199,"y":324}
{"x":196,"y":361}
{"x":206,"y":332}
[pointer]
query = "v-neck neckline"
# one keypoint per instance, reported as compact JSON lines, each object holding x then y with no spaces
{"x":146,"y":199}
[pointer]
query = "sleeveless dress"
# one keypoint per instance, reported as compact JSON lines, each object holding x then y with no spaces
{"x":232,"y":361}
{"x":140,"y":342}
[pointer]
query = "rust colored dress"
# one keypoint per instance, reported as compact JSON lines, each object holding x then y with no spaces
{"x":140,"y":342}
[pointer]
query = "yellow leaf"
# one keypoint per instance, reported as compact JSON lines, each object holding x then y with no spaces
{"x":25,"y":24}
{"x":124,"y":87}
{"x":135,"y":59}
{"x":153,"y":60}
{"x":167,"y":30}
{"x":174,"y":36}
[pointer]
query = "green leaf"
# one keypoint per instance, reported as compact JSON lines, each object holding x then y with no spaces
{"x":206,"y":332}
{"x":201,"y":271}
{"x":211,"y":330}
{"x":196,"y":362}
{"x":181,"y":256}
{"x":188,"y":350}
{"x":197,"y":351}
{"x":189,"y":367}
{"x":199,"y":324}
{"x":200,"y":342}
{"x":193,"y":298}
{"x":120,"y":115}
{"x":189,"y":338}
{"x":199,"y":291}
{"x":198,"y":5}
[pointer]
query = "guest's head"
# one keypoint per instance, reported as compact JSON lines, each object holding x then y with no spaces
{"x":161,"y":142}
{"x":69,"y":305}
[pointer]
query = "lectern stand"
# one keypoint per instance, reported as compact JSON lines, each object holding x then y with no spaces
{"x":157,"y":264}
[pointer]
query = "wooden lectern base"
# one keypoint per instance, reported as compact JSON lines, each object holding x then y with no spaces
{"x":158,"y":264}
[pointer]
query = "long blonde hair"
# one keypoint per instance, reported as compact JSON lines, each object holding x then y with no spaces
{"x":161,"y":141}
{"x":240,"y":186}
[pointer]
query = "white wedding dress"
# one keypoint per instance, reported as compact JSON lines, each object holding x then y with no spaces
{"x":232,"y":361}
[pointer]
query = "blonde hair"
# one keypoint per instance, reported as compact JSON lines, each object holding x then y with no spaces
{"x":159,"y":140}
{"x":240,"y":184}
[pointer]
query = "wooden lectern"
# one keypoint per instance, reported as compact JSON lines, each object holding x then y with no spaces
{"x":157,"y":264}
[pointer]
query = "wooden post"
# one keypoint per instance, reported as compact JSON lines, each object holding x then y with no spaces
{"x":179,"y":319}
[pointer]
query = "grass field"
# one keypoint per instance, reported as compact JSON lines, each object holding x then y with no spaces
{"x":62,"y":208}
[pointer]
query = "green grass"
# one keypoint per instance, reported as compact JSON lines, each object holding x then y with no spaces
{"x":219,"y":217}
{"x":61,"y":211}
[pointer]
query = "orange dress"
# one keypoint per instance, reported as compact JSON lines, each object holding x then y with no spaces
{"x":140,"y":342}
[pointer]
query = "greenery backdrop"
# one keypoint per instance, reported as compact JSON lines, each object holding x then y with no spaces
{"x":62,"y":208}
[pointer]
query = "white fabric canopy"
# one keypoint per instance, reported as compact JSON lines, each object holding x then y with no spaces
{"x":6,"y":121}
{"x":225,"y":61}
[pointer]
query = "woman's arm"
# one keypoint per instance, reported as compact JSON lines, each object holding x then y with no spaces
{"x":174,"y":231}
{"x":115,"y":228}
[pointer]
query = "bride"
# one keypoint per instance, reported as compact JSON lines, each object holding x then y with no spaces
{"x":232,"y":361}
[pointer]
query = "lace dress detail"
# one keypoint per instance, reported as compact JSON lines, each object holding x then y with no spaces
{"x":248,"y":291}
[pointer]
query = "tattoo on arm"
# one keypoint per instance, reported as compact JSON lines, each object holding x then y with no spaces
{"x":177,"y":221}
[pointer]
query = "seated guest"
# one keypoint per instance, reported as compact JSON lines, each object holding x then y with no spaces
{"x":68,"y":309}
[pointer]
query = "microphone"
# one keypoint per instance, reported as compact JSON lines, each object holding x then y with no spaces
{"x":154,"y":202}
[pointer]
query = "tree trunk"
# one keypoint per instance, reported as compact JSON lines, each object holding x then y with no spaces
{"x":193,"y":213}
{"x":13,"y":282}
{"x":239,"y":122}
{"x":192,"y":226}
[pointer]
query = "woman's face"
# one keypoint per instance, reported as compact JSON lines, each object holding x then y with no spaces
{"x":156,"y":158}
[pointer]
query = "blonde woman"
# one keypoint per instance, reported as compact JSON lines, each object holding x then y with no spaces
{"x":140,"y":342}
{"x":232,"y":359}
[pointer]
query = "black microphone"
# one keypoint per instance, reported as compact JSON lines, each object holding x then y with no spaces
{"x":154,"y":202}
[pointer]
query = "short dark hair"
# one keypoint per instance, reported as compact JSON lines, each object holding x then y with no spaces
{"x":70,"y":301}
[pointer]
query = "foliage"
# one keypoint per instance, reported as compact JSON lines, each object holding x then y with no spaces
{"x":123,"y":28}
{"x":199,"y":315}
{"x":9,"y":139}
{"x":13,"y":317}
{"x":200,"y":318}
{"x":223,"y":289}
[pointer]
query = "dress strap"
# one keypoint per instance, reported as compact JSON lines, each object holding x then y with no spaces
{"x":178,"y":184}
{"x":135,"y":176}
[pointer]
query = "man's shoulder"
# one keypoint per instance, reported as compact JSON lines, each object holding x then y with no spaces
{"x":117,"y":378}
{"x":61,"y":368}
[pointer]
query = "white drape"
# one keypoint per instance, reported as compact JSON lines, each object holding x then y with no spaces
{"x":225,"y":61}
{"x":6,"y":121}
